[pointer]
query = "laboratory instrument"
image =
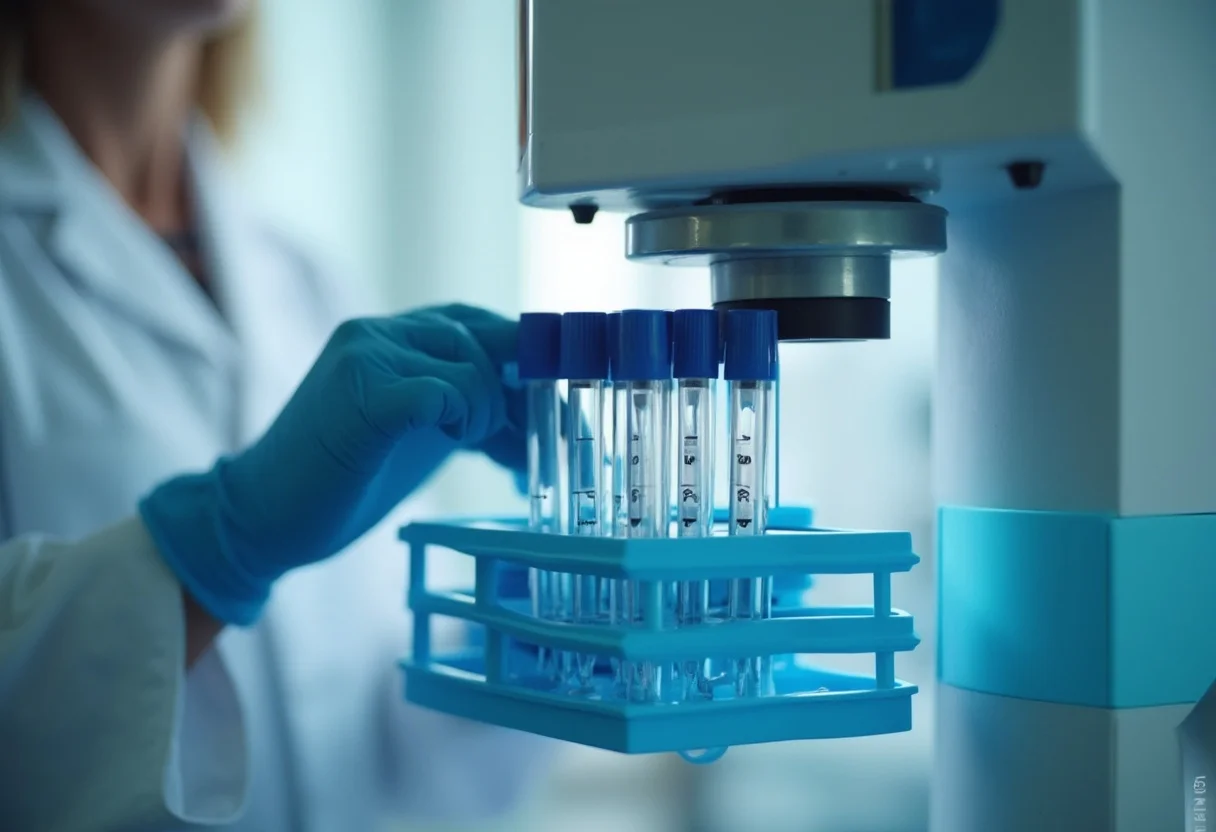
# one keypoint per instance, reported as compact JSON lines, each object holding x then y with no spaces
{"x":750,"y":370}
{"x":642,"y":373}
{"x":584,"y":364}
{"x":539,"y":356}
{"x":791,"y":148}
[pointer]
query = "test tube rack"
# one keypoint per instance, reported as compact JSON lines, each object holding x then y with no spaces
{"x":483,"y":681}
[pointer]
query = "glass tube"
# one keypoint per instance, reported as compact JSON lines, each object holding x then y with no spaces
{"x":647,"y":485}
{"x":774,"y":458}
{"x":620,"y":601}
{"x":695,"y":493}
{"x":544,"y":496}
{"x":620,"y":450}
{"x":543,"y":440}
{"x":750,"y":598}
{"x":588,"y":509}
{"x":647,"y":474}
{"x":697,"y":406}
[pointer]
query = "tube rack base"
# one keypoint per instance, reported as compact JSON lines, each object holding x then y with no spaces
{"x":495,"y":679}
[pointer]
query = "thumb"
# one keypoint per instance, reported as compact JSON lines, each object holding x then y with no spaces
{"x":409,"y":404}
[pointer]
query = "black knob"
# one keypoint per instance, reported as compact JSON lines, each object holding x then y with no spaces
{"x":584,"y":212}
{"x":1026,"y":175}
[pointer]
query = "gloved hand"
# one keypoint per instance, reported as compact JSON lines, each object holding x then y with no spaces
{"x":385,"y":404}
{"x":498,"y":335}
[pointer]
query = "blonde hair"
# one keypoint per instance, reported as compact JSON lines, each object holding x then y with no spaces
{"x":227,"y":75}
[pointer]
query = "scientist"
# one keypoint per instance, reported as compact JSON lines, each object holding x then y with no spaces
{"x":169,"y":464}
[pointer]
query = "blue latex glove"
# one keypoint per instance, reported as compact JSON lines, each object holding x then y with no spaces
{"x":498,"y":336}
{"x":386,"y":403}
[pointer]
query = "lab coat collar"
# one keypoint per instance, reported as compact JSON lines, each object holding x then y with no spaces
{"x":36,"y":156}
{"x":99,"y":241}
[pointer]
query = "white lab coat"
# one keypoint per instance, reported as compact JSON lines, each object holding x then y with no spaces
{"x":116,"y":372}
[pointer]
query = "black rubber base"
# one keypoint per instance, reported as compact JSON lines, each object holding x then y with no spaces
{"x":824,"y":319}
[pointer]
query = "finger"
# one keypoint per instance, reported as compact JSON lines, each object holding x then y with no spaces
{"x":431,"y":333}
{"x":499,"y":339}
{"x":465,"y":313}
{"x":484,"y":401}
{"x":402,"y":405}
{"x":450,"y":344}
{"x":497,"y":336}
{"x":447,"y":339}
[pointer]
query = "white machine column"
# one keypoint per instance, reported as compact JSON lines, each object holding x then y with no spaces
{"x":1076,"y":573}
{"x":1075,"y":432}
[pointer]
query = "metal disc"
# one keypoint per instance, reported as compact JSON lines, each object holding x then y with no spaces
{"x":700,"y":235}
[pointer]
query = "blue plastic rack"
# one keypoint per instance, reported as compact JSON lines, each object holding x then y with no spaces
{"x":482,"y":682}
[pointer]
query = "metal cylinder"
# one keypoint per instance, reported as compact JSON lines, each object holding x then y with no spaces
{"x":822,"y":276}
{"x":824,"y":266}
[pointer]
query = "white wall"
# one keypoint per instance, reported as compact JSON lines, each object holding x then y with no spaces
{"x":312,"y":154}
{"x":451,"y":161}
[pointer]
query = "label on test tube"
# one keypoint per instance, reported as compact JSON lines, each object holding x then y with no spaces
{"x":745,"y":481}
{"x":690,"y":497}
{"x":636,"y":476}
{"x":585,"y":511}
{"x":586,"y":502}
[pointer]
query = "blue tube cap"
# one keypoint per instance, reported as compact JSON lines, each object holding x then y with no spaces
{"x":751,"y":345}
{"x":644,"y":348}
{"x":584,"y":345}
{"x":540,"y":345}
{"x":614,"y":340}
{"x":697,"y":344}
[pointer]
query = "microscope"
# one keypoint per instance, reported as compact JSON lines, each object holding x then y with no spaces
{"x":1054,"y":155}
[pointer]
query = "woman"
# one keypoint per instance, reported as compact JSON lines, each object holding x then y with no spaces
{"x":151,"y":337}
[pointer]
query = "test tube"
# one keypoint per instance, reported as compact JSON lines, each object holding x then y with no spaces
{"x":538,"y":357}
{"x":751,"y":368}
{"x":643,"y":366}
{"x":697,"y":354}
{"x":619,"y":436}
{"x":696,"y":364}
{"x":584,"y":363}
{"x":619,"y":601}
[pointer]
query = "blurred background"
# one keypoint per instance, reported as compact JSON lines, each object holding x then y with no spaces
{"x":386,"y":141}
